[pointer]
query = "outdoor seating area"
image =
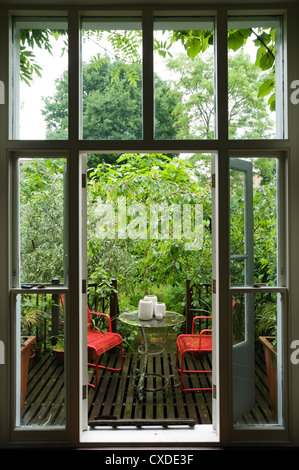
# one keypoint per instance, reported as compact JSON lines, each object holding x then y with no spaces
{"x":114,"y":402}
{"x":163,"y":379}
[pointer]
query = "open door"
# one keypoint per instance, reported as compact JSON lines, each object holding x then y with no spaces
{"x":242,"y":274}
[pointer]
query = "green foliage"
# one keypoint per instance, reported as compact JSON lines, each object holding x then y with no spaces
{"x":59,"y":345}
{"x":267,"y":319}
{"x":127,"y":46}
{"x":112,"y":107}
{"x":29,"y":38}
{"x":195,"y":113}
{"x":42,"y":220}
{"x":150,"y":264}
{"x":149,"y":179}
{"x":264,"y":219}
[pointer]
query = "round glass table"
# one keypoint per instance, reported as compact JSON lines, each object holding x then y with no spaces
{"x":170,"y":320}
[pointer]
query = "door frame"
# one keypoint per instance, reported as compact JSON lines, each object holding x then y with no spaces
{"x":200,"y":434}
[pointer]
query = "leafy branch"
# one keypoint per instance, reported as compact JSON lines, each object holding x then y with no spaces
{"x":126,"y":46}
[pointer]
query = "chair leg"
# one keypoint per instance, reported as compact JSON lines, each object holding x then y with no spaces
{"x":98,"y":366}
{"x":112,"y":368}
{"x":181,"y":370}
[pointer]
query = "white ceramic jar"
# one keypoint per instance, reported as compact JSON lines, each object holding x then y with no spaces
{"x":154,"y":299}
{"x":145,"y":309}
{"x":160,"y":308}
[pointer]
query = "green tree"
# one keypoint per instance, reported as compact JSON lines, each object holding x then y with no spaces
{"x":156,"y":179}
{"x":196,"y":42}
{"x":248,"y":113}
{"x":112,"y":108}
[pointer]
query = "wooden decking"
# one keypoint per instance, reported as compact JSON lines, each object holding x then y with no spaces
{"x":115,"y":401}
{"x":167,"y":405}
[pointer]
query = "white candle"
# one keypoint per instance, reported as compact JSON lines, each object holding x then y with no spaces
{"x":160,"y":308}
{"x":159,"y":316}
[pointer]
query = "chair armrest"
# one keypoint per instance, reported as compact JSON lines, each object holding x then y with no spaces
{"x":104,"y":315}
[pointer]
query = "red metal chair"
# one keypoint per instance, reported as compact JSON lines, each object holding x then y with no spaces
{"x":196,"y":344}
{"x":192,"y":343}
{"x":99,"y":342}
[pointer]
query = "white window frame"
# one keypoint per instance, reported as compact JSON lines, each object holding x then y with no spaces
{"x":75,"y":432}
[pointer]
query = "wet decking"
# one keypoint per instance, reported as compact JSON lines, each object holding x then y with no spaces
{"x":115,"y":401}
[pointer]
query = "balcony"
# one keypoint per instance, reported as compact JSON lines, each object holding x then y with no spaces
{"x":115,"y":402}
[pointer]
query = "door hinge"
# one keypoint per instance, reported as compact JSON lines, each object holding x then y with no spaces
{"x":84,"y":286}
{"x":84,"y":392}
{"x":214,"y":391}
{"x":214,"y":286}
{"x":83,"y":180}
{"x":213,"y":180}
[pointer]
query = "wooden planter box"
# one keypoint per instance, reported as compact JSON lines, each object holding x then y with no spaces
{"x":26,"y":347}
{"x":271,"y":366}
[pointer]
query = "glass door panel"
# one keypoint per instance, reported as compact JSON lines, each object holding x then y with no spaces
{"x":39,"y":292}
{"x":257,"y":297}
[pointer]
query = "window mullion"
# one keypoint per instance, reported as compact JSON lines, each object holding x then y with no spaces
{"x":74,"y":131}
{"x":148,"y":76}
{"x":221,"y":77}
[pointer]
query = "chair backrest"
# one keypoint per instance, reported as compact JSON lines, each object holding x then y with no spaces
{"x":89,"y":324}
{"x":88,"y":311}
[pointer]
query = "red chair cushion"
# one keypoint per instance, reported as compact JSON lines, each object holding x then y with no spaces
{"x":194,"y":343}
{"x":101,"y":342}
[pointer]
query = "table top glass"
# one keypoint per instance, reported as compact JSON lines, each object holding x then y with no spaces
{"x":171,"y":319}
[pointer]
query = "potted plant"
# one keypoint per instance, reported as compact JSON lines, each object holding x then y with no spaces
{"x":58,"y":349}
{"x":267,"y":330}
{"x":31,"y":318}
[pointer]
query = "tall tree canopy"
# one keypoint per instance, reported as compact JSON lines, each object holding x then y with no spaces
{"x":112,"y":108}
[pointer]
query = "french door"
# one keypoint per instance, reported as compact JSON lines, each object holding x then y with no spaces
{"x":258,"y":282}
{"x":243,"y":349}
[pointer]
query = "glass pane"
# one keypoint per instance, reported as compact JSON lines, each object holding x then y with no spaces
{"x":40,"y":397}
{"x":253,"y":236}
{"x":112,"y":78}
{"x":255,"y":78}
{"x":40,"y":79}
{"x":42,"y":220}
{"x":239,"y":323}
{"x":264,"y":405}
{"x":237,"y":239}
{"x":184,"y":78}
{"x":39,"y":311}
